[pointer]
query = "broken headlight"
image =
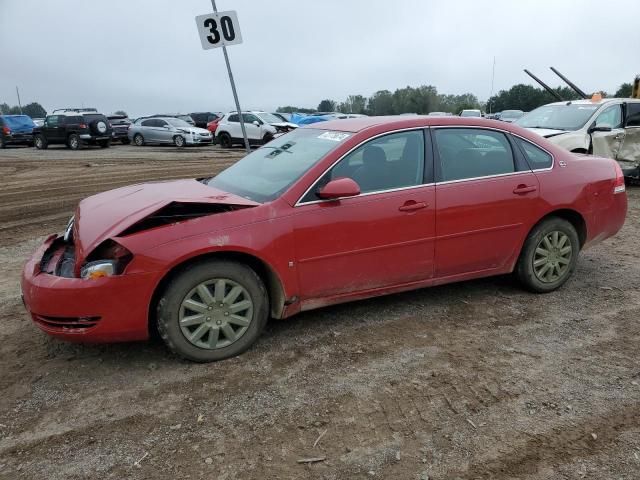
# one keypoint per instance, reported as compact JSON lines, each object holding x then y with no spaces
{"x":110,"y":258}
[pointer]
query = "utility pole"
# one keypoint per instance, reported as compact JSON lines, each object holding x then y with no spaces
{"x":493,"y":76}
{"x":233,"y":89}
{"x":18,"y":94}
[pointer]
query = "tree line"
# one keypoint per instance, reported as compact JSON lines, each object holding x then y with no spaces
{"x":426,"y":99}
{"x":34,"y":110}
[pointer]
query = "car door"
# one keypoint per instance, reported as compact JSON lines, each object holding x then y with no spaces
{"x":608,"y":143}
{"x":487,"y":197}
{"x":380,"y":238}
{"x":163,"y":131}
{"x":52,"y":128}
{"x":254,"y":132}
{"x":629,"y":153}
{"x":148,"y":131}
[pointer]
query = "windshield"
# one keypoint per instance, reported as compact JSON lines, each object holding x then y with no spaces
{"x":19,"y":121}
{"x":511,"y":114}
{"x":470,"y":113}
{"x":269,"y":118}
{"x":267,"y":172}
{"x":558,"y":117}
{"x":176,"y":122}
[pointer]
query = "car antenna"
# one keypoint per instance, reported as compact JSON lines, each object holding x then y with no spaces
{"x":570,"y":83}
{"x":545,"y":86}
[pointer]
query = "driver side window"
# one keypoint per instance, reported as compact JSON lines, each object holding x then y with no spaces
{"x":610,"y":117}
{"x":384,"y":163}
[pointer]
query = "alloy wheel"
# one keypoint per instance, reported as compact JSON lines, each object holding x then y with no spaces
{"x":215,"y":313}
{"x":552,"y":257}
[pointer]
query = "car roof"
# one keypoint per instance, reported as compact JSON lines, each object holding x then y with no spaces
{"x":394,"y":122}
{"x":588,"y":101}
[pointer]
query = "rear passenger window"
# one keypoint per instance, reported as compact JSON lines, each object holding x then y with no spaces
{"x":147,"y":123}
{"x":633,"y":115}
{"x":536,"y":157}
{"x":233,"y":118}
{"x":472,"y":153}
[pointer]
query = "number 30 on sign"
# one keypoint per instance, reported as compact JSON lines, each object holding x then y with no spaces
{"x":218,"y":29}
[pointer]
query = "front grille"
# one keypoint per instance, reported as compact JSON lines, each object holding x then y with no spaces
{"x":65,"y":323}
{"x":59,"y":259}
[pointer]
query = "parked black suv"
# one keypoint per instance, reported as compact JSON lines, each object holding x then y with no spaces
{"x":120,"y":125}
{"x":202,"y":118}
{"x":74,"y":128}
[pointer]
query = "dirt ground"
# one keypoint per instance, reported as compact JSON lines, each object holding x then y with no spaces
{"x":476,"y":380}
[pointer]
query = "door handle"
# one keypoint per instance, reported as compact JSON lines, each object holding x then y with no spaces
{"x":522,"y":189}
{"x":411,"y":206}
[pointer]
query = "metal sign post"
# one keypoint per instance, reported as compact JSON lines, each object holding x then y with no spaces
{"x":219,"y":30}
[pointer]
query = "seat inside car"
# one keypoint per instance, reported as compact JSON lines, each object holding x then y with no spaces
{"x":373,"y":174}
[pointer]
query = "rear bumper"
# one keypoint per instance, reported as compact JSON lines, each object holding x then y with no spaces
{"x":18,"y":138}
{"x":109,"y":309}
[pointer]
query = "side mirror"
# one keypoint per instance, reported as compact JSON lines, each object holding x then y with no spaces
{"x":256,"y":123}
{"x":600,"y":128}
{"x":339,"y":188}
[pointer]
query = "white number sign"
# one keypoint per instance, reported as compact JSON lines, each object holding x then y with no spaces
{"x":218,"y":29}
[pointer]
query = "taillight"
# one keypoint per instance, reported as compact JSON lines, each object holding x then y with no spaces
{"x":618,"y":186}
{"x":6,"y":130}
{"x":83,"y":125}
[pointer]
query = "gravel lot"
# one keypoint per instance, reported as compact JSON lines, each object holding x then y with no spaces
{"x":477,"y":380}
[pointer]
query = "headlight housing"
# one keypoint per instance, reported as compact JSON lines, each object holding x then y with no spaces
{"x":108,"y":259}
{"x":98,"y":269}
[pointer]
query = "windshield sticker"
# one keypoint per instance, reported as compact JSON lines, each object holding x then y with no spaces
{"x":334,"y":136}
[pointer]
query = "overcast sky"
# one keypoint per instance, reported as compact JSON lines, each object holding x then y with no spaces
{"x":144,"y":56}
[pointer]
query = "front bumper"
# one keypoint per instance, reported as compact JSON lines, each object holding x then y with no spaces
{"x":109,"y":309}
{"x":198,"y":139}
{"x":630,"y":169}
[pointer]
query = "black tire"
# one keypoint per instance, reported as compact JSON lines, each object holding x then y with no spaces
{"x":525,"y":270}
{"x":138,"y":140}
{"x":73,"y":141}
{"x":104,"y":143}
{"x":125,"y":141}
{"x":267,"y":138}
{"x":224,"y":139}
{"x":168,"y":308}
{"x":2,"y":144}
{"x":40,"y":142}
{"x":179,"y":141}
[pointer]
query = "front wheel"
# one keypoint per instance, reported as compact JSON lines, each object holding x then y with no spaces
{"x":138,"y":140}
{"x":178,"y":141}
{"x":40,"y":142}
{"x":225,"y":140}
{"x":212,"y":311}
{"x":73,"y":142}
{"x":549,"y":255}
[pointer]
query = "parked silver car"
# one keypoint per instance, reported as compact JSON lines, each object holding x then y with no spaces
{"x":171,"y":130}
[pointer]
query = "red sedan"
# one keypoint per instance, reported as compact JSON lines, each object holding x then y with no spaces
{"x":329,"y":213}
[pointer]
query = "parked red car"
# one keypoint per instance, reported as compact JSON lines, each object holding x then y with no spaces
{"x":213,"y":125}
{"x":332,"y":212}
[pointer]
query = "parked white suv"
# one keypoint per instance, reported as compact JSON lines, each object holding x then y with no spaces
{"x":607,"y":127}
{"x":261,"y":127}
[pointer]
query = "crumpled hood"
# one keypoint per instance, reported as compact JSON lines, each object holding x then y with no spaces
{"x":546,"y":132}
{"x":107,"y":214}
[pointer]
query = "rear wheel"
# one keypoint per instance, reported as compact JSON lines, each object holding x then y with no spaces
{"x":2,"y":144}
{"x":178,"y":141}
{"x":40,"y":142}
{"x":73,"y":142}
{"x":213,"y":310}
{"x":138,"y":140}
{"x":549,"y":255}
{"x":225,"y":140}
